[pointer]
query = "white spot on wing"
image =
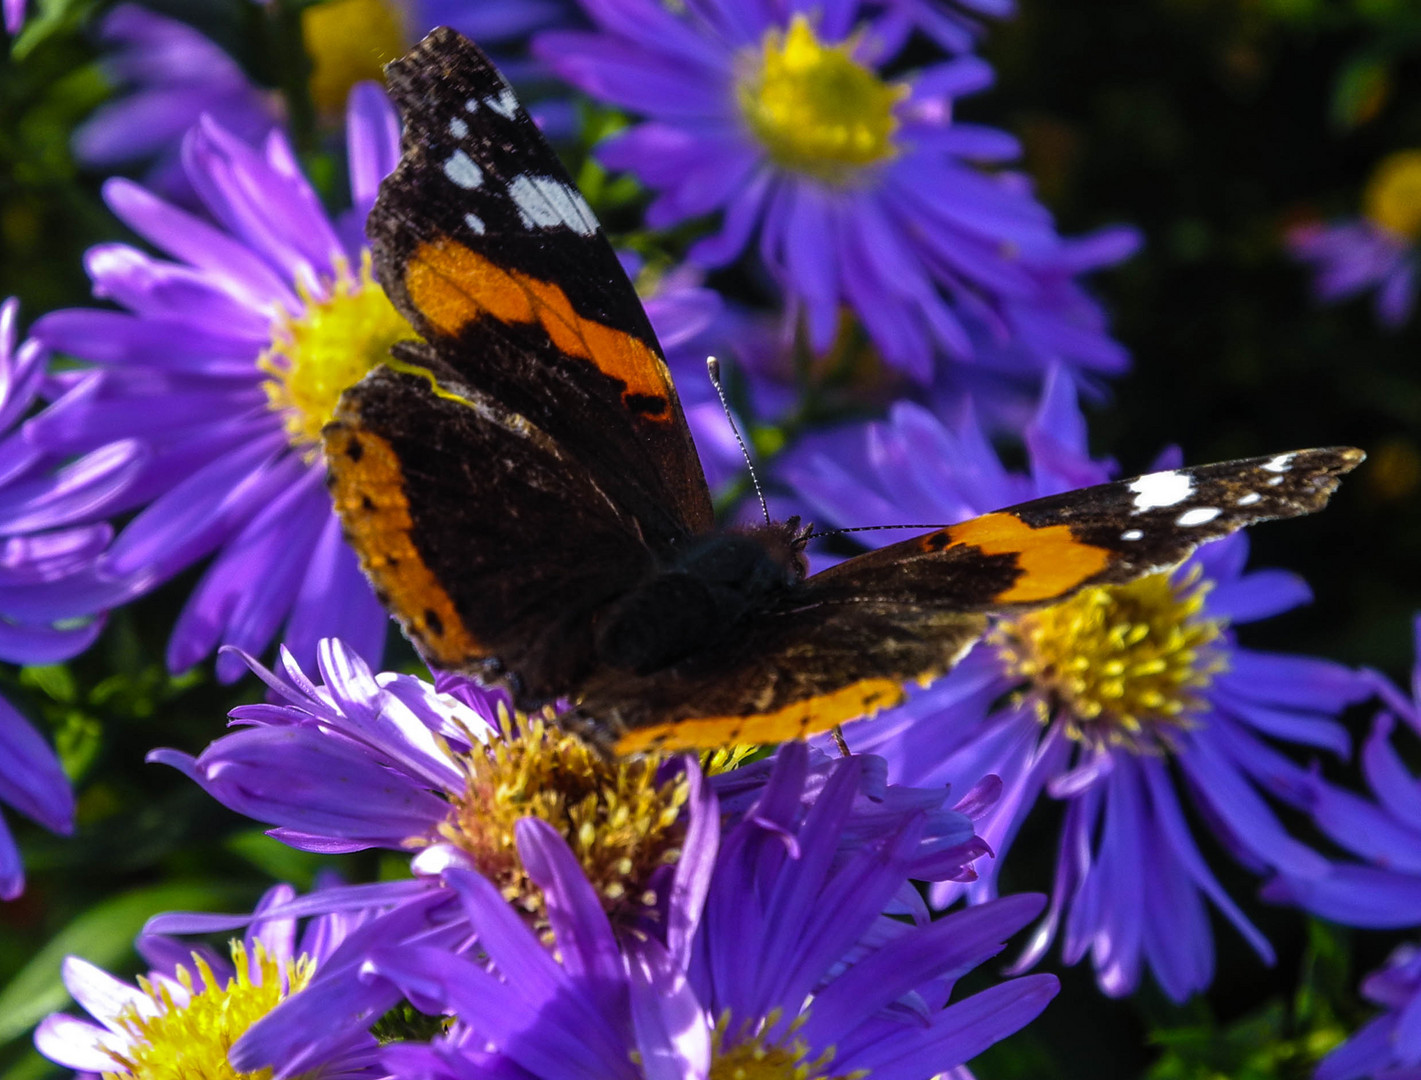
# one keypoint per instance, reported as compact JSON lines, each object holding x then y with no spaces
{"x":506,"y":104}
{"x":1132,"y":534}
{"x":461,"y":169}
{"x":1161,"y":489}
{"x":1281,"y":463}
{"x":472,"y":105}
{"x":475,"y":222}
{"x":1198,"y":516}
{"x":457,"y":127}
{"x":1248,"y":500}
{"x":545,"y":203}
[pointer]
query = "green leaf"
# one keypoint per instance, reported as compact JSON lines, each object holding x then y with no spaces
{"x":103,"y":935}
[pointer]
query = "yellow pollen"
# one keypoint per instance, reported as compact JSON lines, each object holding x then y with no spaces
{"x":1118,"y":665}
{"x":330,"y":346}
{"x":190,"y":1041}
{"x":350,"y":41}
{"x":622,"y":824}
{"x":1393,"y":196}
{"x":816,"y":109}
{"x":751,"y":1053}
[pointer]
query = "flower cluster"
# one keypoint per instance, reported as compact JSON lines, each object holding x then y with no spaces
{"x":912,"y":336}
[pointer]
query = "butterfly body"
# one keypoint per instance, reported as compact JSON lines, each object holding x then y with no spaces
{"x":522,"y":488}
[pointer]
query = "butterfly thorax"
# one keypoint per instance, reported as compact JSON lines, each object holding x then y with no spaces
{"x":698,"y":595}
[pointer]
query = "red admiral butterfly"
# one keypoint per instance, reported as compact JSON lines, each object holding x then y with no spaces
{"x":523,"y":491}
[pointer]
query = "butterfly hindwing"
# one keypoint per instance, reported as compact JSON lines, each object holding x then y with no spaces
{"x":844,"y":643}
{"x":484,"y":243}
{"x":492,"y":546}
{"x":1042,"y":551}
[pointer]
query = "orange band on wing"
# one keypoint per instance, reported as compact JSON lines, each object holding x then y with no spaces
{"x":453,"y":286}
{"x":1051,"y":560}
{"x":367,"y":486}
{"x":795,"y":721}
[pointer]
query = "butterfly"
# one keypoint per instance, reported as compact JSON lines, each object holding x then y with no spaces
{"x":522,"y":488}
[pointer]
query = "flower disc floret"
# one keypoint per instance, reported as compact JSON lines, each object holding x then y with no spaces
{"x":186,"y":1036}
{"x":1121,"y":664}
{"x":329,"y":346}
{"x":753,"y":1053}
{"x":350,"y":41}
{"x":1393,"y":196}
{"x":817,"y":110}
{"x":621,"y":818}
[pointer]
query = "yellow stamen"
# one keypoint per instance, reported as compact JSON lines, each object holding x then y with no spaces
{"x":350,"y":41}
{"x":330,"y":346}
{"x":1118,"y":665}
{"x":749,"y":1053}
{"x":189,"y":1041}
{"x":1393,"y":196}
{"x":816,"y":109}
{"x":621,"y":823}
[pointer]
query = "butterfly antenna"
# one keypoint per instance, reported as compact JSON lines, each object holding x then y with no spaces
{"x":713,"y":370}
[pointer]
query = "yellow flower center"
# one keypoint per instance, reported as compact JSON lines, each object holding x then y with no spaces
{"x":816,"y":109}
{"x":1121,"y":664}
{"x":190,"y":1041}
{"x":1393,"y":196}
{"x":350,"y":41}
{"x":750,"y":1055}
{"x":331,"y":345}
{"x":619,"y":821}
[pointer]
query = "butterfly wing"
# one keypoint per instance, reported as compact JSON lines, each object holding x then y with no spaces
{"x":528,"y":458}
{"x":484,"y":243}
{"x":843,"y":644}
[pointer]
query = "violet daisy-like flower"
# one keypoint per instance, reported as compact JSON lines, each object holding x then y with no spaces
{"x":862,"y":189}
{"x":1377,"y":250}
{"x":181,"y":1019}
{"x":227,"y":359}
{"x":1114,"y":703}
{"x":14,"y":13}
{"x":1379,"y":885}
{"x":792,"y":971}
{"x":49,"y":542}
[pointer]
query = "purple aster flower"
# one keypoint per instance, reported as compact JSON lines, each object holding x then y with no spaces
{"x":14,"y":12}
{"x":1111,"y":702}
{"x":793,"y":964}
{"x":170,"y":75}
{"x":863,"y":192}
{"x":1374,"y":251}
{"x":1379,"y":886}
{"x":49,"y":541}
{"x":226,"y":360}
{"x":181,"y":1019}
{"x":1389,"y":1047}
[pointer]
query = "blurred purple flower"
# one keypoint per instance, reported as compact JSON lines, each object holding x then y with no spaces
{"x":1388,"y":1047}
{"x":1376,"y":250}
{"x":1380,"y":885}
{"x":1109,"y":702}
{"x":169,"y":75}
{"x":49,"y":541}
{"x":863,"y":191}
{"x":793,"y":964}
{"x":1351,"y":257}
{"x":181,"y":1019}
{"x":14,"y":12}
